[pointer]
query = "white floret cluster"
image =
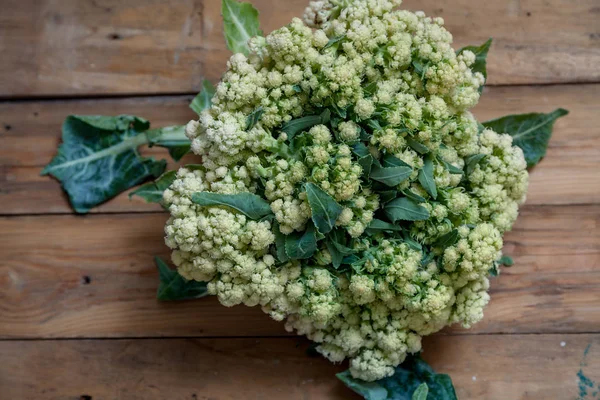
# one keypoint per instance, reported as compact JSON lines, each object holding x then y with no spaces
{"x":390,"y":82}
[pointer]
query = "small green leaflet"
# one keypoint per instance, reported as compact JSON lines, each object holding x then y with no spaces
{"x":391,"y":161}
{"x":253,"y":118}
{"x":405,"y":209}
{"x":324,"y":209}
{"x":413,"y":196}
{"x":378,"y":225}
{"x":387,"y":196}
{"x":175,"y":287}
{"x":249,"y":204}
{"x":481,"y":53}
{"x":472,"y":161}
{"x":406,"y":383}
{"x":334,"y":41}
{"x":301,"y":245}
{"x":360,"y":150}
{"x":390,"y":176}
{"x":98,"y":158}
{"x":301,"y":124}
{"x":203,"y":100}
{"x":366,"y":163}
{"x":240,"y":22}
{"x":416,"y":146}
{"x":336,"y":246}
{"x":421,"y":392}
{"x":451,"y":168}
{"x":172,"y":138}
{"x":280,"y":243}
{"x":426,"y":177}
{"x":152,"y":192}
{"x":506,"y":261}
{"x":447,"y":240}
{"x":531,"y":132}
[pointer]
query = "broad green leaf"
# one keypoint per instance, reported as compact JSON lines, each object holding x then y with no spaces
{"x":531,"y":132}
{"x":481,"y":53}
{"x":175,"y":287}
{"x":366,"y":163}
{"x":447,"y":240}
{"x":249,"y":204}
{"x":336,"y":245}
{"x":324,"y":209}
{"x":417,"y":146}
{"x":405,"y":209}
{"x":378,"y":225}
{"x":360,"y":150}
{"x":280,"y":244}
{"x":204,"y":99}
{"x":391,"y":161}
{"x":298,"y":125}
{"x":451,"y":168}
{"x":240,"y":22}
{"x":426,"y":177}
{"x":413,"y":196}
{"x":391,"y":176}
{"x":172,"y":138}
{"x":472,"y":161}
{"x":253,"y":118}
{"x":301,"y":245}
{"x":421,"y":392}
{"x":406,"y":383}
{"x":387,"y":195}
{"x":98,"y":158}
{"x":152,"y":192}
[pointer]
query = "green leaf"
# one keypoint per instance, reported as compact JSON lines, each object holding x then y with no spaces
{"x":391,"y":161}
{"x":506,"y":261}
{"x":481,"y":53}
{"x":98,"y":158}
{"x":175,"y":287}
{"x":334,"y":41}
{"x":324,"y":209}
{"x":249,"y":204}
{"x":253,"y":118}
{"x":417,"y":146}
{"x":298,"y":125}
{"x":405,"y":209}
{"x":366,"y":163}
{"x":447,"y":240}
{"x":172,"y":138}
{"x":413,"y":196}
{"x":472,"y":161}
{"x":387,"y":195}
{"x":301,"y":245}
{"x":240,"y":21}
{"x":391,"y":176}
{"x":204,"y":99}
{"x":336,"y":245}
{"x":152,"y":192}
{"x":360,"y":150}
{"x":426,"y":177}
{"x":378,"y":225}
{"x":280,"y":244}
{"x":406,"y":383}
{"x":451,"y":168}
{"x":421,"y":392}
{"x":531,"y":132}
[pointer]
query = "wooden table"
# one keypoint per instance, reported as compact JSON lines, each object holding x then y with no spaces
{"x":78,"y":315}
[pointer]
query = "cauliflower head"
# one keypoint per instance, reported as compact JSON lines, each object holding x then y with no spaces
{"x":368,"y":106}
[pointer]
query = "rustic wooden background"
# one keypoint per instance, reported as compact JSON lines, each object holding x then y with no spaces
{"x":78,"y":315}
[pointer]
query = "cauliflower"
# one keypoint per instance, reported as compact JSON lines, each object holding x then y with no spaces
{"x":370,"y":106}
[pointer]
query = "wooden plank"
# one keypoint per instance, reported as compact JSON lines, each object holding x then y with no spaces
{"x":74,"y":47}
{"x":34,"y":130}
{"x":553,"y":287}
{"x":494,"y":367}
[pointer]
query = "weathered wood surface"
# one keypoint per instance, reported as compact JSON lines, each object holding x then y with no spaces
{"x":554,"y":286}
{"x":568,"y":175}
{"x":82,"y":47}
{"x":515,"y":367}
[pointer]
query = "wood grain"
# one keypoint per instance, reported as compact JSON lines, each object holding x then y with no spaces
{"x":75,"y":47}
{"x":482,"y":367}
{"x":570,"y":174}
{"x":554,"y":286}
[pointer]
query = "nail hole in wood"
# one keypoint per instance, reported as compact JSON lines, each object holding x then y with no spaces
{"x":85,"y":280}
{"x":114,"y":36}
{"x":85,"y":397}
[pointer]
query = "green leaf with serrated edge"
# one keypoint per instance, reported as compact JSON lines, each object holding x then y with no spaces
{"x":301,"y":245}
{"x":407,"y":378}
{"x":249,"y":204}
{"x":416,"y":146}
{"x":413,"y":196}
{"x":481,"y":53}
{"x":405,"y":209}
{"x":391,"y":161}
{"x":506,"y":261}
{"x":378,"y":225}
{"x":298,"y":125}
{"x":472,"y":161}
{"x":173,"y":286}
{"x":253,"y":118}
{"x":98,"y":158}
{"x":336,"y":256}
{"x":447,"y":240}
{"x":387,"y":196}
{"x":413,"y":244}
{"x":240,"y":23}
{"x":280,"y":243}
{"x":203,"y":100}
{"x":172,"y":138}
{"x":366,"y":163}
{"x":152,"y":192}
{"x":391,"y":176}
{"x":324,"y":209}
{"x":426,"y":177}
{"x":421,"y":392}
{"x":531,"y":132}
{"x":360,"y":150}
{"x":451,"y":168}
{"x":334,"y":41}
